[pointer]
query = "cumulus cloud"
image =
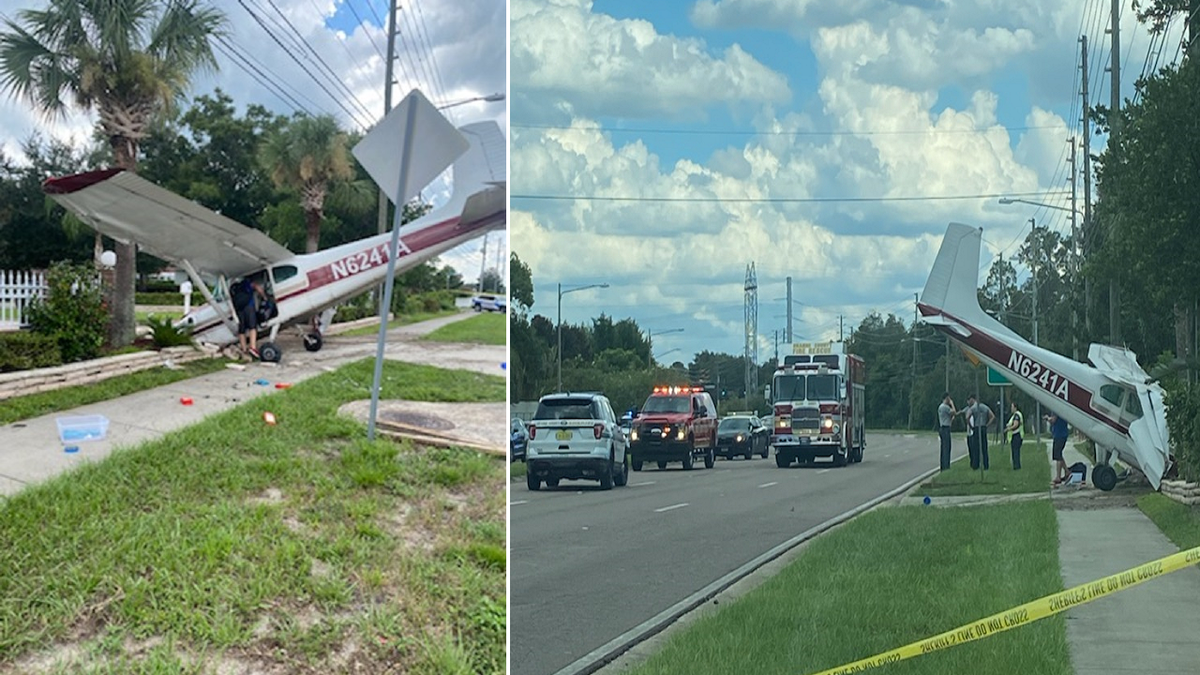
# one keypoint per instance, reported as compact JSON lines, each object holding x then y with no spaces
{"x":888,"y":139}
{"x":595,"y":65}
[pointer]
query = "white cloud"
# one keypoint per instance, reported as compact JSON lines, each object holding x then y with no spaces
{"x":594,"y":65}
{"x":890,"y":137}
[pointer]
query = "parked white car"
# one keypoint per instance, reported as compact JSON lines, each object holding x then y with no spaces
{"x":576,"y":436}
{"x":489,"y":303}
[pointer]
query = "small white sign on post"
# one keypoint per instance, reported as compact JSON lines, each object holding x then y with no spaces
{"x":186,"y":289}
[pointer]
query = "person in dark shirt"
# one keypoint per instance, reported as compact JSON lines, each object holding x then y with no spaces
{"x":1058,"y":435}
{"x":245,"y":294}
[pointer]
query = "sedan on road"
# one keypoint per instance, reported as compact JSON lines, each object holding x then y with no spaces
{"x":743,"y":435}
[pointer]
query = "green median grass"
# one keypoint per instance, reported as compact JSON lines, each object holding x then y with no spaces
{"x":1000,"y":479}
{"x":888,"y":578}
{"x":485,"y":329}
{"x":234,"y":546}
{"x":46,"y":402}
{"x":1180,"y":522}
{"x":404,"y":320}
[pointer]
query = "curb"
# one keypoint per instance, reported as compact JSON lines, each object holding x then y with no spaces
{"x":605,"y":654}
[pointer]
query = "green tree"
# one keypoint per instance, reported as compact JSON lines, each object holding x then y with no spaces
{"x":521,"y":281}
{"x":127,"y":60}
{"x":308,"y":156}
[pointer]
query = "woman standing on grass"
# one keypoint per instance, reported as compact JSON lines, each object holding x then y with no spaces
{"x":1015,"y":423}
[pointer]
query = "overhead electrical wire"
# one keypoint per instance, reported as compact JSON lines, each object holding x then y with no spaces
{"x":749,"y":132}
{"x":239,"y":59}
{"x":319,"y":83}
{"x":311,"y":54}
{"x":359,"y":19}
{"x":778,"y":200}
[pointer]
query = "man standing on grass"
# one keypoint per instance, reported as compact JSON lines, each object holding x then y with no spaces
{"x":946,"y":413}
{"x":978,"y":419}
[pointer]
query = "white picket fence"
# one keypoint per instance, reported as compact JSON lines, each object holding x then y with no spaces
{"x":17,"y":289}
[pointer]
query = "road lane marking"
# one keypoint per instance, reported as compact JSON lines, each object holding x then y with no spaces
{"x":671,"y":507}
{"x":522,"y":501}
{"x":822,"y":471}
{"x":886,"y":456}
{"x":649,"y":482}
{"x":774,"y":482}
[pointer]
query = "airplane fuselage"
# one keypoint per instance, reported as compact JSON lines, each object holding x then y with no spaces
{"x":1062,"y":385}
{"x":307,"y":284}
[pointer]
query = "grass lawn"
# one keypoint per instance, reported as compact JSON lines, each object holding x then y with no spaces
{"x":402,"y":321}
{"x":1034,"y":475}
{"x":1180,"y":522}
{"x":888,"y":578}
{"x":44,"y":403}
{"x":233,"y":546}
{"x":518,"y":469}
{"x":485,"y":329}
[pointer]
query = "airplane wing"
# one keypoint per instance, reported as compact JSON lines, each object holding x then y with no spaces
{"x":128,"y":208}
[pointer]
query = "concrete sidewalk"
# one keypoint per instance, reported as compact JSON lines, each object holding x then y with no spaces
{"x":30,"y":450}
{"x":1151,"y":629}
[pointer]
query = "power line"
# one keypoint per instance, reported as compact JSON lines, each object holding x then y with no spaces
{"x":316,"y":58}
{"x":361,"y":23}
{"x":424,"y":29}
{"x":241,"y":61}
{"x":289,"y":52}
{"x":779,"y":200}
{"x":748,"y":132}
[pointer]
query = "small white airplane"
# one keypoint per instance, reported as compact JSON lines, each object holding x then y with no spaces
{"x":303,"y":289}
{"x":1113,"y":401}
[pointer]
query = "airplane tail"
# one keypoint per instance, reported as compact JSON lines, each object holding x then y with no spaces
{"x":954,"y":280}
{"x":480,"y":191}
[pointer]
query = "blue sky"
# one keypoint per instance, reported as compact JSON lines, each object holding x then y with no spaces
{"x":709,"y":102}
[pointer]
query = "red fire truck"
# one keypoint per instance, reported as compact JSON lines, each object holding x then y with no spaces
{"x":818,"y":396}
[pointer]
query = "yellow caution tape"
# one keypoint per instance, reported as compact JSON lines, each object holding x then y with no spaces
{"x":1026,"y":613}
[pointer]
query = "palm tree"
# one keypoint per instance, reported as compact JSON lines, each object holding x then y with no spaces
{"x":127,"y":60}
{"x":308,"y":156}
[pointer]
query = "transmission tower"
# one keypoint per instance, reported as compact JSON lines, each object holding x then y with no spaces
{"x":751,"y":331}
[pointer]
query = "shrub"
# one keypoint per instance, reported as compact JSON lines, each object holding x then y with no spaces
{"x":165,"y":334}
{"x":1183,"y":424}
{"x":73,"y":312}
{"x":24,"y":351}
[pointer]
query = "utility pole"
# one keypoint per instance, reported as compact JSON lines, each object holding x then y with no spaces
{"x":387,"y":107}
{"x":483,"y":261}
{"x":947,"y":364}
{"x":789,"y":310}
{"x":1087,"y":186}
{"x":1036,"y":260}
{"x":1074,"y":262}
{"x":841,"y":329}
{"x":913,"y":386}
{"x":1114,"y":290}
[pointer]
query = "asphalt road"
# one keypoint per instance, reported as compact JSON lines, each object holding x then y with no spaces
{"x":588,"y":565}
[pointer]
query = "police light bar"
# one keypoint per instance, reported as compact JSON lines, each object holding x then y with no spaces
{"x":678,"y":390}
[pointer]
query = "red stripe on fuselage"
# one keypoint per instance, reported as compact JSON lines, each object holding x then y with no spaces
{"x":1077,"y":396}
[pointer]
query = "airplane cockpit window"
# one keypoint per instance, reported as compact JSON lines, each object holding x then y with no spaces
{"x":1112,"y":393}
{"x":284,"y":272}
{"x":1133,"y":406}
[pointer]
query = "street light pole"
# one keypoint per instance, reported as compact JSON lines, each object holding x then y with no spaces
{"x":561,"y":293}
{"x":650,"y":344}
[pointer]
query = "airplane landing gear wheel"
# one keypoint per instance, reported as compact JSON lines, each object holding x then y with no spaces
{"x":313,"y":341}
{"x":1104,"y":477}
{"x":270,"y":352}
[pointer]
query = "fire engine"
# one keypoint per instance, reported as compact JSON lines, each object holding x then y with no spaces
{"x":677,"y":424}
{"x":818,"y":396}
